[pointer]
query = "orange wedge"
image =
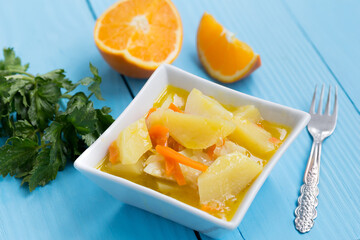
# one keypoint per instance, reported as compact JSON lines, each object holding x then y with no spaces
{"x":136,"y":36}
{"x":223,"y":56}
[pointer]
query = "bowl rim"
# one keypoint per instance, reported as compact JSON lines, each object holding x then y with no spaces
{"x":80,"y":163}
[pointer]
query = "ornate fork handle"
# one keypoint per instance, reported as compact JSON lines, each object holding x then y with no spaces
{"x":307,"y":202}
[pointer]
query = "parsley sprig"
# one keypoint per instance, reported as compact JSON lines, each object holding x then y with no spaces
{"x":42,"y":136}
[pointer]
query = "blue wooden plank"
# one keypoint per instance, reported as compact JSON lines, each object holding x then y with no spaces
{"x":333,"y":29}
{"x":97,"y":8}
{"x":291,"y":68}
{"x":58,"y":34}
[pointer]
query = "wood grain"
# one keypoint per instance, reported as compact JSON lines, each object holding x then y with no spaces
{"x":58,"y":34}
{"x":291,"y":68}
{"x":333,"y":28}
{"x":299,"y":47}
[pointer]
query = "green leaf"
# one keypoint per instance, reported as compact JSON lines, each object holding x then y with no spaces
{"x":15,"y":153}
{"x":29,"y":109}
{"x":58,"y":76}
{"x":20,"y":105}
{"x":81,"y":114}
{"x":24,"y":170}
{"x":83,"y":119}
{"x":49,"y":91}
{"x":53,"y":132}
{"x":4,"y":109}
{"x":58,"y":152}
{"x":54,"y":75}
{"x":23,"y":129}
{"x":74,"y":145}
{"x":94,"y":82}
{"x":4,"y":88}
{"x":43,"y":102}
{"x":77,"y":101}
{"x":104,"y":119}
{"x":89,"y":123}
{"x":95,"y":88}
{"x":90,"y":138}
{"x":16,"y":85}
{"x":7,"y":126}
{"x":105,"y":110}
{"x":44,"y":170}
{"x":86,"y":81}
{"x":11,"y":62}
{"x":94,"y":70}
{"x":41,"y":111}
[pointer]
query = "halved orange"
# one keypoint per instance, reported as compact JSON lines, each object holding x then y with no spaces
{"x":223,"y":56}
{"x":136,"y":36}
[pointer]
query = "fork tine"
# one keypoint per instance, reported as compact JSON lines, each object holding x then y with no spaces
{"x":319,"y":111}
{"x":312,"y":107}
{"x":327,"y":108}
{"x":336,"y":103}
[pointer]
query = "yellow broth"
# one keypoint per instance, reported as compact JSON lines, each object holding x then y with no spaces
{"x":186,"y":193}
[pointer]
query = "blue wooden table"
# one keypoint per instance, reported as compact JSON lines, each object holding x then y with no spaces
{"x":301,"y":43}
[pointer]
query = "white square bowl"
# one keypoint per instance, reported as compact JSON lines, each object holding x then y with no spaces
{"x":158,"y":203}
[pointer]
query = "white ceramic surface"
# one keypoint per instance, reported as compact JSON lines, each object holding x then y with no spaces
{"x":160,"y":204}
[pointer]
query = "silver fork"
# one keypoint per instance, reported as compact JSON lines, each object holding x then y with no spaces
{"x":320,"y":127}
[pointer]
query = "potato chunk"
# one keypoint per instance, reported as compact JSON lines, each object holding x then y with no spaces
{"x":226,"y":177}
{"x":252,"y":137}
{"x":128,"y":170}
{"x":200,"y":104}
{"x":192,"y":131}
{"x":133,"y":142}
{"x":229,"y":147}
{"x":249,"y":112}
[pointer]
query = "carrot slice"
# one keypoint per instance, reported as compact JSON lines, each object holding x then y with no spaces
{"x":274,"y":140}
{"x":174,"y":108}
{"x":207,"y":208}
{"x":178,"y":157}
{"x":178,"y":175}
{"x":151,"y":110}
{"x":159,"y":135}
{"x":169,"y":167}
{"x":113,"y":152}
